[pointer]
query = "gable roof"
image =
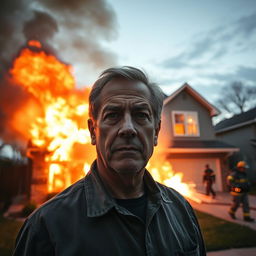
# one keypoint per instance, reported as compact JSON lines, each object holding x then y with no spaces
{"x":186,"y":87}
{"x":237,"y":121}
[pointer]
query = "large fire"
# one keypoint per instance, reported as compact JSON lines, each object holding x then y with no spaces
{"x":55,"y":121}
{"x":59,"y":127}
{"x":164,"y":173}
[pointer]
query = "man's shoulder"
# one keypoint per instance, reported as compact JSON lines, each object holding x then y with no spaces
{"x":175,"y":201}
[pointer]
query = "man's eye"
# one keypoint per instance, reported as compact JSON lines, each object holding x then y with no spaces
{"x":142,"y":115}
{"x":113,"y":115}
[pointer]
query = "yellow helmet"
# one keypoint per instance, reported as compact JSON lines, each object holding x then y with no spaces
{"x":241,"y":164}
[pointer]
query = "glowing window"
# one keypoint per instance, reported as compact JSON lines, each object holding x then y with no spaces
{"x":185,"y":123}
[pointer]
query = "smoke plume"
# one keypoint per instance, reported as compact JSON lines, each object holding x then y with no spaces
{"x":72,"y":30}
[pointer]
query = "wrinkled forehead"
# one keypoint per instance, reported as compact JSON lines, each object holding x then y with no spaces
{"x":123,"y":90}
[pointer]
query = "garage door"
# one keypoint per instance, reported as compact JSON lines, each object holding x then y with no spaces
{"x":193,"y":170}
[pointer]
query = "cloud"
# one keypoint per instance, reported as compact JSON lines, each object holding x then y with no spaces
{"x":196,"y":51}
{"x":216,"y":43}
{"x":175,"y":62}
{"x":246,"y":26}
{"x":248,"y":73}
{"x":242,"y":73}
{"x":200,"y":48}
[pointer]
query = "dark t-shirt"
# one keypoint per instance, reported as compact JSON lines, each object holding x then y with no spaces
{"x":136,"y":206}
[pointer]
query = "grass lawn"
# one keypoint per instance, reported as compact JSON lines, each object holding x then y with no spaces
{"x":218,"y":234}
{"x":8,"y":232}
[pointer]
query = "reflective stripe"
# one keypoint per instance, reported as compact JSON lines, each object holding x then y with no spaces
{"x":241,"y":180}
{"x":233,"y":193}
{"x":236,"y":189}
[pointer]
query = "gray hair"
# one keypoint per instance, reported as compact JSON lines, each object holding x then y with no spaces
{"x":129,"y":73}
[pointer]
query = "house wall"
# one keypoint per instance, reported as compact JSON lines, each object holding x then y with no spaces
{"x":192,"y":165}
{"x":241,"y":138}
{"x":185,"y":102}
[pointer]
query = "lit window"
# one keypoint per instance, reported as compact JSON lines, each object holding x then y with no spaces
{"x":179,"y":124}
{"x":185,"y":123}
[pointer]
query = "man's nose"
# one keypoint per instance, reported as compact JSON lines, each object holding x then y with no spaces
{"x":127,"y":128}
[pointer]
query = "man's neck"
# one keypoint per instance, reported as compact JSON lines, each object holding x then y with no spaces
{"x":123,"y":186}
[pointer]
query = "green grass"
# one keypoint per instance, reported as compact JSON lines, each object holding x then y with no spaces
{"x":8,"y":233}
{"x":220,"y":234}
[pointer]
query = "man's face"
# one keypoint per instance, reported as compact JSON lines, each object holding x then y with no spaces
{"x":124,"y":132}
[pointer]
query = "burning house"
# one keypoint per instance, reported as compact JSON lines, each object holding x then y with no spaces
{"x":38,"y":100}
{"x":59,"y":139}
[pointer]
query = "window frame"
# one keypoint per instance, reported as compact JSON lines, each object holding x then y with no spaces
{"x":185,"y":113}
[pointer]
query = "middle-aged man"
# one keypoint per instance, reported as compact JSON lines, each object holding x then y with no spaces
{"x":117,"y":209}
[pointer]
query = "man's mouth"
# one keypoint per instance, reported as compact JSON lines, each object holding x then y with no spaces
{"x":126,"y":149}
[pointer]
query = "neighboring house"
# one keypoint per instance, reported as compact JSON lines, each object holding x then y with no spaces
{"x":240,"y":130}
{"x":188,"y":138}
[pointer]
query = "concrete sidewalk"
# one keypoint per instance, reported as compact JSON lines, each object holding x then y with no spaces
{"x":219,"y":207}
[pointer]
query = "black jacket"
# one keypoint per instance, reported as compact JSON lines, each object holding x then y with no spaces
{"x":85,"y":220}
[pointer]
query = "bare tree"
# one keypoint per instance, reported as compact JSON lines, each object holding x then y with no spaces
{"x":236,"y":98}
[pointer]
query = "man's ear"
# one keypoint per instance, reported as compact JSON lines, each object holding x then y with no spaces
{"x":157,"y":129}
{"x":91,"y":128}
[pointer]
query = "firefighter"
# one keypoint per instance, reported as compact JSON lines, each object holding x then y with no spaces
{"x":209,"y":179}
{"x":239,"y":188}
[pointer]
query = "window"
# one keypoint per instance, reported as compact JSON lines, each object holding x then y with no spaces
{"x":185,"y":123}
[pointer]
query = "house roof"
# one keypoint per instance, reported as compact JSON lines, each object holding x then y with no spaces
{"x":186,"y":87}
{"x":203,"y":146}
{"x":237,"y":121}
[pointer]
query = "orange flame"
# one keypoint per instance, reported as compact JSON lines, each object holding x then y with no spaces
{"x":61,"y":127}
{"x":162,"y":172}
{"x":34,"y":43}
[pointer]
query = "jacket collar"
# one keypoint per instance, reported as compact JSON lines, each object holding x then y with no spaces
{"x":99,"y":200}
